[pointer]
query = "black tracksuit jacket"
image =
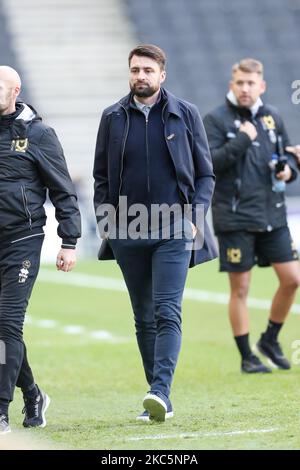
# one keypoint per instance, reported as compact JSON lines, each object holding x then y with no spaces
{"x":32,"y":162}
{"x":243,"y":197}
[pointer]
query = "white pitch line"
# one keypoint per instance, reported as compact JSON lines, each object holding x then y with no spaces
{"x":74,"y":329}
{"x":45,"y":323}
{"x":107,"y":283}
{"x":195,"y":435}
{"x":100,"y":335}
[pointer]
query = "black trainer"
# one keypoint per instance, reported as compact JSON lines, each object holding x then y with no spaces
{"x":252,"y":365}
{"x":272,"y":350}
{"x":35,"y":410}
{"x":4,"y":426}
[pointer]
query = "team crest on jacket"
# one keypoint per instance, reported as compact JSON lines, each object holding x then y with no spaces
{"x":269,"y":122}
{"x":24,"y":271}
{"x":19,"y":145}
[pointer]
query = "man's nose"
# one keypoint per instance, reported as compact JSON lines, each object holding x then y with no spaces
{"x":141,"y":75}
{"x":245,"y":87}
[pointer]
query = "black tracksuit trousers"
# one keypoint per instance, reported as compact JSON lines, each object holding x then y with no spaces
{"x":19,"y":266}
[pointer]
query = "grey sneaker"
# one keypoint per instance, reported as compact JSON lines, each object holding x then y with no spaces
{"x":4,"y":426}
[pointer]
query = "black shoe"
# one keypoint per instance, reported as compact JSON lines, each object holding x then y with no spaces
{"x":4,"y":426}
{"x":252,"y":365}
{"x":35,"y":410}
{"x":272,"y":350}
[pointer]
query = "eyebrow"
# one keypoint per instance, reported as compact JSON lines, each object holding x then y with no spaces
{"x":144,"y":68}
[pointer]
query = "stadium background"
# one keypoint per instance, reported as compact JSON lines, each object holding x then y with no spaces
{"x":72,"y":56}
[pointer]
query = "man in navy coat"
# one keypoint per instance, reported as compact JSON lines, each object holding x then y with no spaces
{"x":153,"y":186}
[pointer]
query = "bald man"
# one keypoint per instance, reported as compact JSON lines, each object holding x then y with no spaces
{"x":31,"y":161}
{"x":10,"y":87}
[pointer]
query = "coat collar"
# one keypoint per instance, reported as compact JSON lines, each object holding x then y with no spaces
{"x":172,"y":102}
{"x":245,"y":112}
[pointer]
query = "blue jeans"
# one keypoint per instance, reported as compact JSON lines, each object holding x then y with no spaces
{"x":155,"y":273}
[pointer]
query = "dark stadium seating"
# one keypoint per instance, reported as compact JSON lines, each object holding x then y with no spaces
{"x":203,"y":38}
{"x":8,"y":55}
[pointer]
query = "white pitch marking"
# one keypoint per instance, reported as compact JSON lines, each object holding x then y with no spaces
{"x":74,"y":329}
{"x":101,"y":334}
{"x":107,"y":283}
{"x":46,"y":323}
{"x":82,"y":280}
{"x":196,"y":435}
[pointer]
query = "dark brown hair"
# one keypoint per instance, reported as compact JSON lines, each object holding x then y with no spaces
{"x":149,"y":50}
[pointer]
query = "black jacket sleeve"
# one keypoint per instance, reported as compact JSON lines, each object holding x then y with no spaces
{"x":224,"y":153}
{"x":100,"y":173}
{"x":53,"y":169}
{"x":286,"y":142}
{"x":204,"y":175}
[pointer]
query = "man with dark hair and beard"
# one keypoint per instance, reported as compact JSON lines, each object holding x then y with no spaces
{"x":152,"y":149}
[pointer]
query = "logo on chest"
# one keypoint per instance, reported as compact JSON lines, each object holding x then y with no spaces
{"x":269,"y":125}
{"x":19,"y":145}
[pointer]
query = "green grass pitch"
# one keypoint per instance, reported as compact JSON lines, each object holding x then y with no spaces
{"x":97,"y":386}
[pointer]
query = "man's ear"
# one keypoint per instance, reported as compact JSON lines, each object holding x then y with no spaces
{"x":263,"y":86}
{"x":17,"y":90}
{"x":163,"y":76}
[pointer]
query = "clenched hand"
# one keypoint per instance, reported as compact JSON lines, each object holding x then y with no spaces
{"x":66,"y":260}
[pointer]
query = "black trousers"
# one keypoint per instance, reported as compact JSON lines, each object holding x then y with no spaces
{"x":19,"y":266}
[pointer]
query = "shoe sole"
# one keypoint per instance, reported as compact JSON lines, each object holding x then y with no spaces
{"x":256,"y":372}
{"x":156,"y":408}
{"x":44,"y":409}
{"x":169,"y":415}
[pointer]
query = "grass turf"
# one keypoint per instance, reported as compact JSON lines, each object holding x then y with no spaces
{"x":97,"y":386}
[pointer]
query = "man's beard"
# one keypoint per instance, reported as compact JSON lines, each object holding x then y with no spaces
{"x":144,"y":92}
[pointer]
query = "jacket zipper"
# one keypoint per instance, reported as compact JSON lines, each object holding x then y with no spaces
{"x":261,"y":131}
{"x":25,"y":203}
{"x":147,"y":158}
{"x":122,"y":157}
